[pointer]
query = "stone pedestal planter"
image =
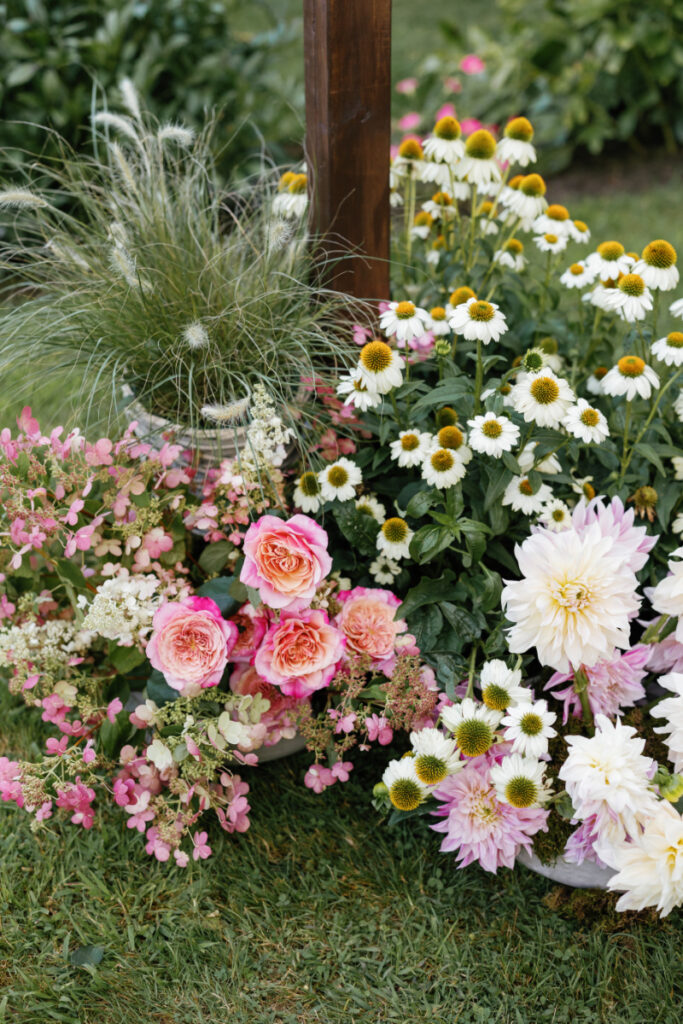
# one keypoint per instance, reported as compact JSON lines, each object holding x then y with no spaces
{"x":588,"y":875}
{"x":283,"y":748}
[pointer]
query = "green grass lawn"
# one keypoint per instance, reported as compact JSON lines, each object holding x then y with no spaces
{"x":320,"y":913}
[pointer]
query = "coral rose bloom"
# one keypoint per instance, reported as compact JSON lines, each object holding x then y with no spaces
{"x":252,"y":624}
{"x":367,"y":621}
{"x":191,"y":642}
{"x":300,"y":653}
{"x":285,"y":561}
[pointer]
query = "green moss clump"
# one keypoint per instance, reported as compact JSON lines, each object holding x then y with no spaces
{"x":548,"y":846}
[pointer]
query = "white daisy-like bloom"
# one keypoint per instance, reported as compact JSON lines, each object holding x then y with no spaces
{"x":478,"y":320}
{"x":649,"y":867}
{"x":394,"y":538}
{"x":507,"y":192}
{"x":404,"y":320}
{"x":521,"y":498}
{"x":594,"y":382}
{"x":578,"y":275}
{"x":455,"y":440}
{"x":575,"y":600}
{"x":529,"y":727}
{"x":602,"y":296}
{"x":339,"y":480}
{"x":678,"y":405}
{"x":473,"y":726}
{"x":677,"y":525}
{"x":459,"y":297}
{"x":511,"y":255}
{"x":671,"y":708}
{"x":609,"y":260}
{"x":440,"y":206}
{"x":519,"y":781}
{"x":410,"y":160}
{"x":631,"y":377}
{"x":669,"y":350}
{"x":436,"y":756}
{"x":579,"y":231}
{"x":370,"y":506}
{"x":307,"y":493}
{"x":406,"y":791}
{"x":677,"y":462}
{"x":445,"y":145}
{"x":442,"y":468}
{"x":436,"y":174}
{"x":353,"y":388}
{"x":381,"y":367}
{"x":657,"y":266}
{"x":492,"y":435}
{"x":433,"y":256}
{"x":631,"y":299}
{"x":550,"y":242}
{"x":384,"y":570}
{"x":555,"y":221}
{"x":410,"y":448}
{"x":291,"y":200}
{"x":676,"y":308}
{"x":542,"y":398}
{"x":487,"y":226}
{"x":549,"y":464}
{"x":556,"y":516}
{"x":478,"y":164}
{"x":438,"y":321}
{"x":527,"y":201}
{"x":667,"y":596}
{"x":422,"y":225}
{"x":501,"y":686}
{"x":516,"y":147}
{"x":608,"y":775}
{"x":586,"y":422}
{"x":395,"y":197}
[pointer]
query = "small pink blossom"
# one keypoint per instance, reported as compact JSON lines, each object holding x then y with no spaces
{"x":78,"y":798}
{"x":341,"y":770}
{"x":410,"y":121}
{"x":201,"y":847}
{"x":113,"y":709}
{"x":156,"y":847}
{"x":445,"y":110}
{"x":58,"y":747}
{"x":89,"y":754}
{"x":71,"y":517}
{"x":379,"y":730}
{"x":318,"y":778}
{"x":471,"y":64}
{"x":181,"y":858}
{"x":406,"y":86}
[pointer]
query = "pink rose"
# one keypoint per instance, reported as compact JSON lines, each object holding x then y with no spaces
{"x":300,"y":653}
{"x":191,"y":642}
{"x":285,"y":561}
{"x":252,"y":624}
{"x":367,"y":621}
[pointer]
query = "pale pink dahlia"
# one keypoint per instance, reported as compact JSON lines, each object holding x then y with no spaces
{"x":613,"y":684}
{"x":632,"y":542}
{"x":581,"y":844}
{"x":478,"y":825}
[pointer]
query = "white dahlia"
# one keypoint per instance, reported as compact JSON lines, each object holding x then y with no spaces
{"x":667,"y":597}
{"x":672,"y":710}
{"x":650,"y":867}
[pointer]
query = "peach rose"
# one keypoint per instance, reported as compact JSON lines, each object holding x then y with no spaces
{"x":191,"y":642}
{"x":300,"y":653}
{"x":285,"y":560}
{"x":367,"y":621}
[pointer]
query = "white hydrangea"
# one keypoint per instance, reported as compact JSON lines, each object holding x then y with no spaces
{"x":267,"y":438}
{"x":39,"y":645}
{"x":123,"y":608}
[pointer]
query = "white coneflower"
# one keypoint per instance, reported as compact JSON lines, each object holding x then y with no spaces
{"x":118,"y":123}
{"x":381,"y":368}
{"x":196,"y":336}
{"x":454,"y":439}
{"x":528,"y":200}
{"x":529,"y":727}
{"x":438,"y":321}
{"x":459,"y":297}
{"x":551,"y":243}
{"x":307,"y":494}
{"x":368,"y":505}
{"x":478,"y":164}
{"x":520,"y":496}
{"x":669,"y":350}
{"x":609,"y":260}
{"x":501,"y":686}
{"x":422,"y":225}
{"x":586,"y":423}
{"x":542,"y":398}
{"x":676,"y":308}
{"x":578,"y":275}
{"x":445,"y":145}
{"x":339,"y":480}
{"x":678,"y":405}
{"x":442,"y":468}
{"x":384,"y":571}
{"x":527,"y":460}
{"x":631,"y":299}
{"x":579,"y":231}
{"x":409,"y":162}
{"x":594,"y":382}
{"x":631,"y":377}
{"x":487,"y":225}
{"x":492,"y":435}
{"x":555,"y":221}
{"x":18,"y":198}
{"x":519,"y":782}
{"x":410,"y":448}
{"x":177,"y":133}
{"x":406,"y":791}
{"x":473,"y":726}
{"x":292,"y":196}
{"x":394,"y":538}
{"x":354,"y":389}
{"x":507,"y":193}
{"x":556,"y":516}
{"x":226,"y":413}
{"x":478,"y":320}
{"x":432,"y":173}
{"x":404,"y":320}
{"x":657,"y":265}
{"x":602,"y":296}
{"x":515,"y":147}
{"x":511,"y":255}
{"x":436,"y":756}
{"x":440,"y":206}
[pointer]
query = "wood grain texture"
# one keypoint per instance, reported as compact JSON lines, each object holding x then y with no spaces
{"x":347,"y":45}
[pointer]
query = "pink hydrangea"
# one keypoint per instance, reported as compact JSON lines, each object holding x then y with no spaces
{"x":285,"y":560}
{"x":612,"y":685}
{"x":367,"y":621}
{"x":252,"y":624}
{"x":631,"y":542}
{"x":378,"y":729}
{"x":277,"y":722}
{"x":10,"y":782}
{"x":479,"y":826}
{"x":191,"y":642}
{"x":234,"y":816}
{"x":77,"y":797}
{"x":300,"y":653}
{"x":410,"y":121}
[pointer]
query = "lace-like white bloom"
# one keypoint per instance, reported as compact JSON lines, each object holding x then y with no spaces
{"x":586,"y":423}
{"x":671,"y":708}
{"x":443,"y":468}
{"x":577,"y":276}
{"x":519,"y":781}
{"x":556,"y":516}
{"x":669,"y":350}
{"x":436,"y":756}
{"x":123,"y":608}
{"x":542,"y":398}
{"x":394,"y":538}
{"x":404,"y":320}
{"x":411,"y":448}
{"x":609,"y":260}
{"x":339,"y":480}
{"x":631,"y":377}
{"x":381,"y":368}
{"x":307,"y":493}
{"x":473,"y":726}
{"x":354,"y":389}
{"x":406,"y":791}
{"x":650,"y":867}
{"x":657,"y":266}
{"x":492,"y":435}
{"x":383,"y":570}
{"x":529,"y":727}
{"x":575,"y":600}
{"x":522,"y":498}
{"x":501,"y":686}
{"x":478,"y":320}
{"x":370,"y":506}
{"x":667,"y":596}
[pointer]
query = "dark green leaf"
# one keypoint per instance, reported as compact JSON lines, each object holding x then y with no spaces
{"x":158,"y":689}
{"x":214,"y":557}
{"x":220,"y":591}
{"x":429,"y":541}
{"x":427,"y":591}
{"x":87,"y":955}
{"x":420,"y":503}
{"x":125,"y":659}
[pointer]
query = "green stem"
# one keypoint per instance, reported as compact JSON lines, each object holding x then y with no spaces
{"x":581,"y":689}
{"x":470,"y":678}
{"x":648,"y":421}
{"x":478,"y":379}
{"x":470,"y":250}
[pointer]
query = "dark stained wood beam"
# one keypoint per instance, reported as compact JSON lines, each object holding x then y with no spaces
{"x":347,"y":47}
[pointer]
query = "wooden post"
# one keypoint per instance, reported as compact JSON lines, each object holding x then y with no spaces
{"x":348,"y":109}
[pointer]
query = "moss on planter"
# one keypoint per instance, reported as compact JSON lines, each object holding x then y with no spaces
{"x":548,"y":846}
